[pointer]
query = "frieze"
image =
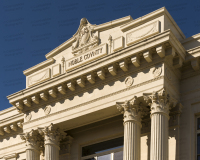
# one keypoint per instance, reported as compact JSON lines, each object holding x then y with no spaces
{"x":157,"y":71}
{"x":47,"y":110}
{"x":28,"y":116}
{"x":100,"y":98}
{"x":128,"y":81}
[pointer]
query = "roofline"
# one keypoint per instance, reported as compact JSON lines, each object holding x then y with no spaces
{"x":97,"y":27}
{"x":196,"y":36}
{"x":149,"y":16}
{"x":39,"y":66}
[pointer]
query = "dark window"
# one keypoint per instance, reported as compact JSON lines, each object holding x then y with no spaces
{"x":198,"y":123}
{"x":198,"y":145}
{"x":102,"y":147}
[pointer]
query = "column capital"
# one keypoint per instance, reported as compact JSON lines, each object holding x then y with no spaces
{"x":160,"y":101}
{"x":52,"y":134}
{"x":32,"y":139}
{"x":131,"y":109}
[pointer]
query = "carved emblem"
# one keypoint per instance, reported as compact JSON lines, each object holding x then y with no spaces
{"x":85,"y":38}
{"x":28,"y":116}
{"x":47,"y":110}
{"x":157,"y":72}
{"x":128,"y":81}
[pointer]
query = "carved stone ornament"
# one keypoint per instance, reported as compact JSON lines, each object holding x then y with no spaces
{"x":85,"y":38}
{"x":160,"y":101}
{"x":33,"y":139}
{"x":132,"y":109}
{"x":157,"y":71}
{"x":52,"y":134}
{"x":28,"y":116}
{"x":129,"y":81}
{"x":47,"y":110}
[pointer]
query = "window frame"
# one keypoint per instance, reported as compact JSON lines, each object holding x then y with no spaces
{"x":112,"y":151}
{"x":197,"y":132}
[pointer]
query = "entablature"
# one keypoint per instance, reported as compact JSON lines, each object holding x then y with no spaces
{"x":120,"y":59}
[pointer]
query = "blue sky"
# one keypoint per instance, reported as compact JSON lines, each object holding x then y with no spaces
{"x":30,"y":29}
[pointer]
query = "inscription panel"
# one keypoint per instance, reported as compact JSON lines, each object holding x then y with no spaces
{"x":86,"y":57}
{"x":142,"y":33}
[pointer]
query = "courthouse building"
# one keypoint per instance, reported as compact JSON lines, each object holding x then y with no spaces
{"x":122,"y":90}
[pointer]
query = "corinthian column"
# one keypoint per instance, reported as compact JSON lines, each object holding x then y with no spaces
{"x":33,"y":143}
{"x":132,"y":128}
{"x":52,"y":136}
{"x":160,"y":104}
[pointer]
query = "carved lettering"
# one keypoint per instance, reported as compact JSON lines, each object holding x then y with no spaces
{"x":87,"y":57}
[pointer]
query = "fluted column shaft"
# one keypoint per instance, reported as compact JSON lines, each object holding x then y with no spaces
{"x":51,"y":151}
{"x":32,"y":154}
{"x":132,"y":128}
{"x":159,"y":137}
{"x":160,"y":104}
{"x":132,"y":131}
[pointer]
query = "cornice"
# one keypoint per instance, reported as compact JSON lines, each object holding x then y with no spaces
{"x":39,"y":66}
{"x":193,"y":53}
{"x":115,"y":57}
{"x":4,"y":148}
{"x":14,"y":155}
{"x":113,"y":23}
{"x":97,"y":27}
{"x":12,"y":119}
{"x":149,"y":16}
{"x":194,"y":37}
{"x":97,"y":99}
{"x":7,"y":110}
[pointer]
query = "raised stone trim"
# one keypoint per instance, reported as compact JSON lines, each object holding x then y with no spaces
{"x":100,"y":98}
{"x":166,"y":34}
{"x":39,"y":77}
{"x":39,"y":66}
{"x":146,"y":31}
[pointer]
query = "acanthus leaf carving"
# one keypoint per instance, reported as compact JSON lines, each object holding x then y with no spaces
{"x":132,"y":109}
{"x":32,"y":139}
{"x":52,"y":134}
{"x":160,"y":101}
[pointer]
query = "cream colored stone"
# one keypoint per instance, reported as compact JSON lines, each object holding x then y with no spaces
{"x":56,"y":70}
{"x":146,"y":55}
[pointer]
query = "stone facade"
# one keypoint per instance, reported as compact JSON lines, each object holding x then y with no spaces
{"x":136,"y":79}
